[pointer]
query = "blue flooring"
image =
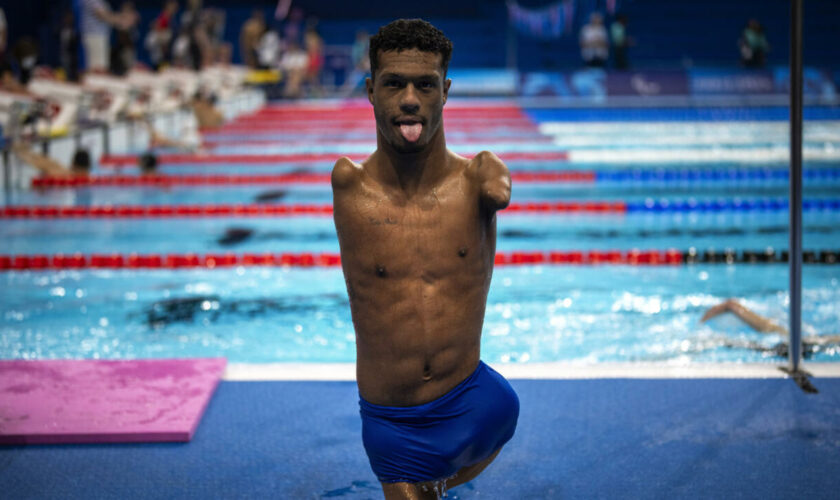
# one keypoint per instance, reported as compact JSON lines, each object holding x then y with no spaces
{"x":576,"y":439}
{"x":711,"y":113}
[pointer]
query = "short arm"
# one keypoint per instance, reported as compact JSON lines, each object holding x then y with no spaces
{"x":494,"y":181}
{"x":344,"y":174}
{"x":756,"y":321}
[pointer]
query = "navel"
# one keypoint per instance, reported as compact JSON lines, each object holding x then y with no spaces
{"x":427,"y":372}
{"x":380,"y":271}
{"x":462,"y":252}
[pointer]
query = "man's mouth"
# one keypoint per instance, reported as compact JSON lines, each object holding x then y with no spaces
{"x":410,"y":128}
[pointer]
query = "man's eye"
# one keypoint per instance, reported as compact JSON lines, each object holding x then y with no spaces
{"x":426,"y":85}
{"x":392,"y":83}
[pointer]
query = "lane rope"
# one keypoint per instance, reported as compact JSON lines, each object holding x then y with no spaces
{"x":291,"y":210}
{"x":232,"y":179}
{"x":122,"y":161}
{"x":634,"y":257}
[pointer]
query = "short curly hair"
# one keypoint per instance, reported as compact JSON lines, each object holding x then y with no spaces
{"x":405,"y":34}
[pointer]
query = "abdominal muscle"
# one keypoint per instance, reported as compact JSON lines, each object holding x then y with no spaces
{"x":423,"y":340}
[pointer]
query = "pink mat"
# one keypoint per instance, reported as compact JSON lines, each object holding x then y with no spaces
{"x":70,"y":401}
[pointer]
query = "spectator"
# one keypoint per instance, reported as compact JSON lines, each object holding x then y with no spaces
{"x":267,"y":52}
{"x":196,"y":48}
{"x":213,"y":23}
{"x":159,"y":39}
{"x":97,"y":19}
{"x":293,"y":63}
{"x":361,"y":63}
{"x":4,"y":33}
{"x":25,"y":55}
{"x":594,"y":45}
{"x":249,"y":37}
{"x":124,"y":53}
{"x":620,"y":42}
{"x":753,"y":45}
{"x":314,"y":45}
{"x":68,"y":39}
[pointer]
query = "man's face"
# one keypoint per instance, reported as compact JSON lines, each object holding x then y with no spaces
{"x":408,"y":92}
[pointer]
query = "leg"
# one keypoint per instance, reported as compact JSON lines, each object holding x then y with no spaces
{"x":471,"y":472}
{"x":419,"y":491}
{"x":408,"y":491}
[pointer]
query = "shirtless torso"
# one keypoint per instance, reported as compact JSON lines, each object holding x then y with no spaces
{"x":417,"y":229}
{"x":418,"y":268}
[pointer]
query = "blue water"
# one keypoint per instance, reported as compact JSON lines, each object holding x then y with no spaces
{"x":534,"y":314}
{"x":750,"y":231}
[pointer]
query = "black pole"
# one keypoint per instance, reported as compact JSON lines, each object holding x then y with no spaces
{"x":795,"y":351}
{"x":795,"y":341}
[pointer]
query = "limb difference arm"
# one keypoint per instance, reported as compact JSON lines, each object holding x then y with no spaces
{"x":494,"y":181}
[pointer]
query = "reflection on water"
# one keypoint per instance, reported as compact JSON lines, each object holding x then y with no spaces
{"x":211,"y":308}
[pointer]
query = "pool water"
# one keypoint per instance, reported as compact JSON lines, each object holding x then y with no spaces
{"x":535,"y":313}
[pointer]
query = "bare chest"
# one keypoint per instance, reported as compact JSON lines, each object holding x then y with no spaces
{"x":432,"y":231}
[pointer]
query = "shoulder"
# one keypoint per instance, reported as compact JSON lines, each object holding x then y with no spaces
{"x":486,"y":165}
{"x":345,"y":173}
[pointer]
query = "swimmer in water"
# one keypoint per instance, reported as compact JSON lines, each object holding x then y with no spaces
{"x":417,"y":229}
{"x":51,"y":168}
{"x":811,"y":344}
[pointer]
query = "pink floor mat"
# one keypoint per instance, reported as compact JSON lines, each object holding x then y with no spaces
{"x":90,"y":401}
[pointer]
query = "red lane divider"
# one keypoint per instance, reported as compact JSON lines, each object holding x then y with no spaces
{"x":306,"y":259}
{"x":131,"y":160}
{"x":221,"y":180}
{"x":179,"y":180}
{"x":253,"y":210}
{"x":117,"y":161}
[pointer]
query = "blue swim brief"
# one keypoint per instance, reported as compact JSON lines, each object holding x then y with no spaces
{"x":435,"y":440}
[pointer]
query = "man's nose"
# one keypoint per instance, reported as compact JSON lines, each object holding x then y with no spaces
{"x":409,"y":101}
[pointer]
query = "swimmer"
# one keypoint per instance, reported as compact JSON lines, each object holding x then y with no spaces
{"x":417,"y":229}
{"x":50,"y":168}
{"x":811,"y":344}
{"x":148,"y":163}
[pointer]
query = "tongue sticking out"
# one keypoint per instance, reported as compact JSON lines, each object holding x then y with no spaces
{"x":411,"y":132}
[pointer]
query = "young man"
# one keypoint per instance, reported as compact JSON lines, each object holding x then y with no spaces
{"x":417,"y":228}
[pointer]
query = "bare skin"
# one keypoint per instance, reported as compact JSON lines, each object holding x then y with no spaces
{"x":48,"y":166}
{"x":756,"y":321}
{"x":761,"y":324}
{"x":417,"y":229}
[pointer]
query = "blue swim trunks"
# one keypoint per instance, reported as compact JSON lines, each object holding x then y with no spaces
{"x":434,"y":440}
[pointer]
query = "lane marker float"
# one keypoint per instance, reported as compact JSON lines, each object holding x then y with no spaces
{"x":634,"y":257}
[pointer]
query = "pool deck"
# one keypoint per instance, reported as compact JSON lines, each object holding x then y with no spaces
{"x":611,"y":435}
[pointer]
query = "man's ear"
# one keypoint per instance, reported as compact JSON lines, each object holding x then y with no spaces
{"x":446,"y":85}
{"x":369,"y":88}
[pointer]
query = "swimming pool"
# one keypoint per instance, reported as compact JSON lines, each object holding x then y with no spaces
{"x":536,"y":313}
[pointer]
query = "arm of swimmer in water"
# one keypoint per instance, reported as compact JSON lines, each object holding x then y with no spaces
{"x":822,"y":339}
{"x":756,"y":321}
{"x":494,"y":181}
{"x":41,"y":162}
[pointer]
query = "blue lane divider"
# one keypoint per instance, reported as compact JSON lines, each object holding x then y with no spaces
{"x":713,"y":175}
{"x":727,"y":205}
{"x":711,"y":113}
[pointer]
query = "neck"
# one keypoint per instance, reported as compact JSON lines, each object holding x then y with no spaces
{"x":413,"y":172}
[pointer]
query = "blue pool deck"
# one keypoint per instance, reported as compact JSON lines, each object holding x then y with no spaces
{"x":577,"y":438}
